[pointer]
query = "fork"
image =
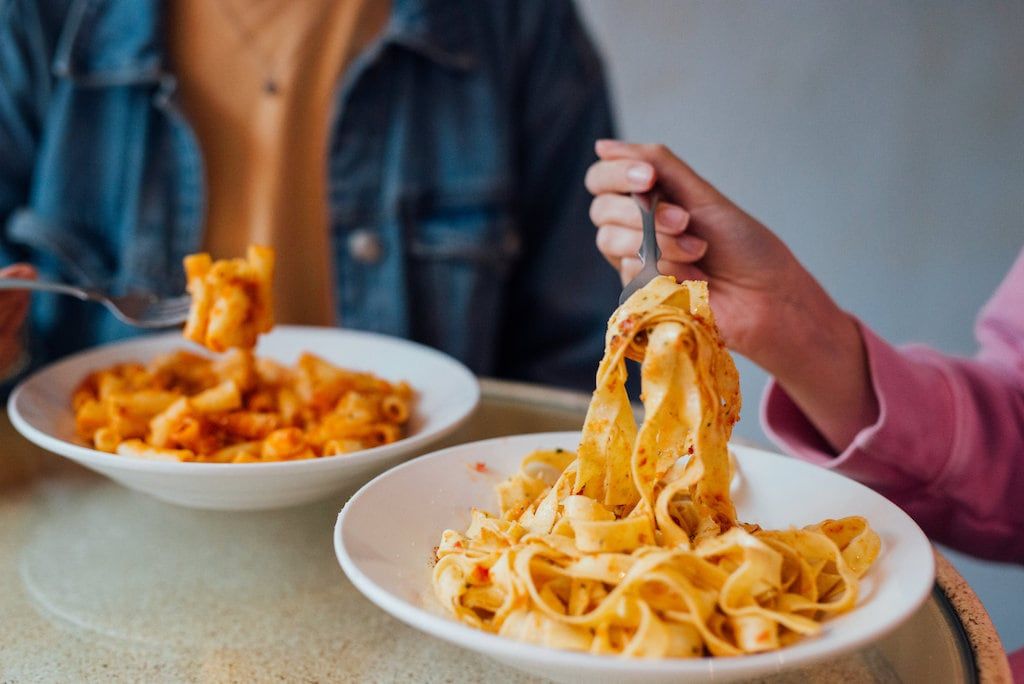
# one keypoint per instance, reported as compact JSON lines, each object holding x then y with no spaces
{"x":649,"y":251}
{"x":140,"y":310}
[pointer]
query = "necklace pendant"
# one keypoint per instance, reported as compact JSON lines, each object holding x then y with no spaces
{"x":270,"y":87}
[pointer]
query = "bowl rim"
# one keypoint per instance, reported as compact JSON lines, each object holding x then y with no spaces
{"x":493,"y":645}
{"x":101,"y":459}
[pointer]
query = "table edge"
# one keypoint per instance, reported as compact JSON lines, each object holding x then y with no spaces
{"x":990,"y":659}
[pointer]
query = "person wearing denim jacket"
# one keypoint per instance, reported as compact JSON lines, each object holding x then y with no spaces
{"x":457,"y":213}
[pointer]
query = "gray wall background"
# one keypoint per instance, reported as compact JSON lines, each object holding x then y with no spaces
{"x":884,"y":142}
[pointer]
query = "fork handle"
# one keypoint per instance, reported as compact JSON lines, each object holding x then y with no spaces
{"x":46,"y":286}
{"x":649,"y":251}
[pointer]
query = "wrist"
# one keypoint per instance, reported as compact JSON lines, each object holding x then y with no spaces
{"x":796,"y":332}
{"x":816,"y":352}
{"x":831,"y":382}
{"x":828,"y":338}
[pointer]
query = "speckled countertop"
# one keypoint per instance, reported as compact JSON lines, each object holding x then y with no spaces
{"x":98,"y":583}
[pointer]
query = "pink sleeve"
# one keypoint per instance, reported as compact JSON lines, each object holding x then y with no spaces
{"x":948,"y":445}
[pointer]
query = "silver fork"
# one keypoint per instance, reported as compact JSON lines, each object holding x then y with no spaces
{"x":140,"y":310}
{"x":649,"y":251}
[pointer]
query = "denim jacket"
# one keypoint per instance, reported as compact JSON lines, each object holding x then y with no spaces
{"x":458,"y":147}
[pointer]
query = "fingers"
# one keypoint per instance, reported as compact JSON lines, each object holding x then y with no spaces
{"x":620,"y":176}
{"x":13,"y":309}
{"x":609,"y":208}
{"x":13,"y":303}
{"x":620,"y":242}
{"x":18,"y":271}
{"x":10,"y":350}
{"x":677,"y":179}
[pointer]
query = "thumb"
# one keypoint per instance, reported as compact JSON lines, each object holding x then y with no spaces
{"x":24,"y":271}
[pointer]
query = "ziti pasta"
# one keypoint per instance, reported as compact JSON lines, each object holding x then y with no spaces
{"x":231,"y":299}
{"x":236,"y":408}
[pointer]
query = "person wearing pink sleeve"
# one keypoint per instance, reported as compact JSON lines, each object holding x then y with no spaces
{"x":941,"y":436}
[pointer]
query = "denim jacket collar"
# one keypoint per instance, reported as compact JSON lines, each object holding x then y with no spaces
{"x":119,"y":42}
{"x":435,"y":29}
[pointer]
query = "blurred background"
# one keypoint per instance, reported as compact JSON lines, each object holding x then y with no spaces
{"x":884,"y":142}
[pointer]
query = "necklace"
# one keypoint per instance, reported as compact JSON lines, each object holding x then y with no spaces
{"x":247,"y":39}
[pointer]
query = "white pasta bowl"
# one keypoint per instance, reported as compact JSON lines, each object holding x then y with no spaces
{"x":40,"y":410}
{"x":386,"y":534}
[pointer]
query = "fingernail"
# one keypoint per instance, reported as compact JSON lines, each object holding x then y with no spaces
{"x":692,"y":245}
{"x":640,"y":173}
{"x":674,"y":216}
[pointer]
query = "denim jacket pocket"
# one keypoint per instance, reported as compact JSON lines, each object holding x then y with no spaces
{"x":461,"y":245}
{"x":465,"y":225}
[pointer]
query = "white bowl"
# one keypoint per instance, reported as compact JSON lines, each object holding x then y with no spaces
{"x":40,"y":409}
{"x":386,"y":534}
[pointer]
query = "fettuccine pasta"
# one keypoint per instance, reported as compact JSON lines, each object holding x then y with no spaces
{"x":631,"y":546}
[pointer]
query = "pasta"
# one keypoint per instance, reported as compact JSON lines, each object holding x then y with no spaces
{"x":236,"y":408}
{"x":631,"y":546}
{"x":231,"y":299}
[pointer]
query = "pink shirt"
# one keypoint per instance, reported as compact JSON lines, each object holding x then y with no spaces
{"x":948,"y":445}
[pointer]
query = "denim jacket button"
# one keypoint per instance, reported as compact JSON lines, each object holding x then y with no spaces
{"x":364,"y":246}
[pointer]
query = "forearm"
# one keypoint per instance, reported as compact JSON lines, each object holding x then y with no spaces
{"x":816,"y":353}
{"x":945,"y":445}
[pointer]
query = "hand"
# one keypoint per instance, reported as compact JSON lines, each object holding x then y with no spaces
{"x":13,"y":310}
{"x":767,"y":305}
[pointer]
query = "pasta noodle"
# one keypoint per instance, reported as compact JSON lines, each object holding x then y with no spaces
{"x":231,"y":299}
{"x":631,"y":546}
{"x":236,"y":408}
